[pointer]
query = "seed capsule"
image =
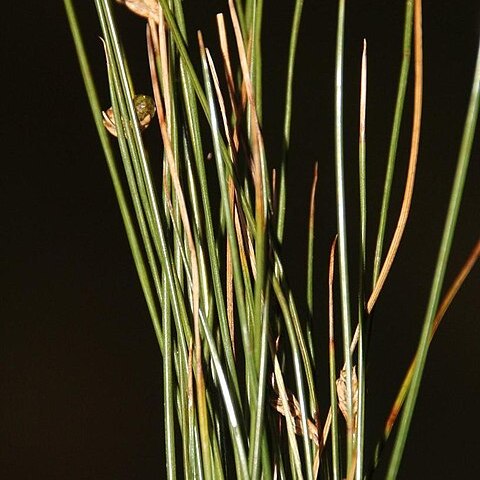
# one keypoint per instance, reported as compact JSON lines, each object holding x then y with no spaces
{"x":145,"y":108}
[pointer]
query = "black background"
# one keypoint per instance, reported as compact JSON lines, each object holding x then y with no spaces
{"x":81,"y":374}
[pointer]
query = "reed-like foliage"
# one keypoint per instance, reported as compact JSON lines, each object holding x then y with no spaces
{"x":211,"y":271}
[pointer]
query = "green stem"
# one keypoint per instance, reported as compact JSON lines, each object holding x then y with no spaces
{"x":311,"y":235}
{"x":397,"y":120}
{"x":362,"y":174}
{"x":333,"y":369}
{"x":282,"y":195}
{"x":342,"y":226}
{"x":443,"y":254}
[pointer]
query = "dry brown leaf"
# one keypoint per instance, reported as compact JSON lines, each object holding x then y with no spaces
{"x":144,"y":8}
{"x":296,"y":413}
{"x":342,"y":394}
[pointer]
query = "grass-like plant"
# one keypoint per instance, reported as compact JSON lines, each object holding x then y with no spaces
{"x":240,"y":364}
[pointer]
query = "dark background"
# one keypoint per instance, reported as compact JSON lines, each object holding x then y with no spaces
{"x":81,"y":374}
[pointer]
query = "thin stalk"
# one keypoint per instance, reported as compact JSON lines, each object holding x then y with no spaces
{"x":397,"y":121}
{"x":360,"y":430}
{"x":259,"y":439}
{"x":241,"y":15}
{"x":256,"y":59}
{"x":444,"y":251}
{"x":302,"y":344}
{"x":175,"y":25}
{"x":311,"y":232}
{"x":333,"y":413}
{"x":282,"y":194}
{"x":342,"y":227}
{"x":168,"y":387}
{"x":197,"y":453}
{"x":183,"y":416}
{"x":167,"y":316}
{"x":168,"y":384}
{"x":191,"y":419}
{"x":412,"y":165}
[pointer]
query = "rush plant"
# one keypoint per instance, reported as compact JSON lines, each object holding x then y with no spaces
{"x":240,"y":364}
